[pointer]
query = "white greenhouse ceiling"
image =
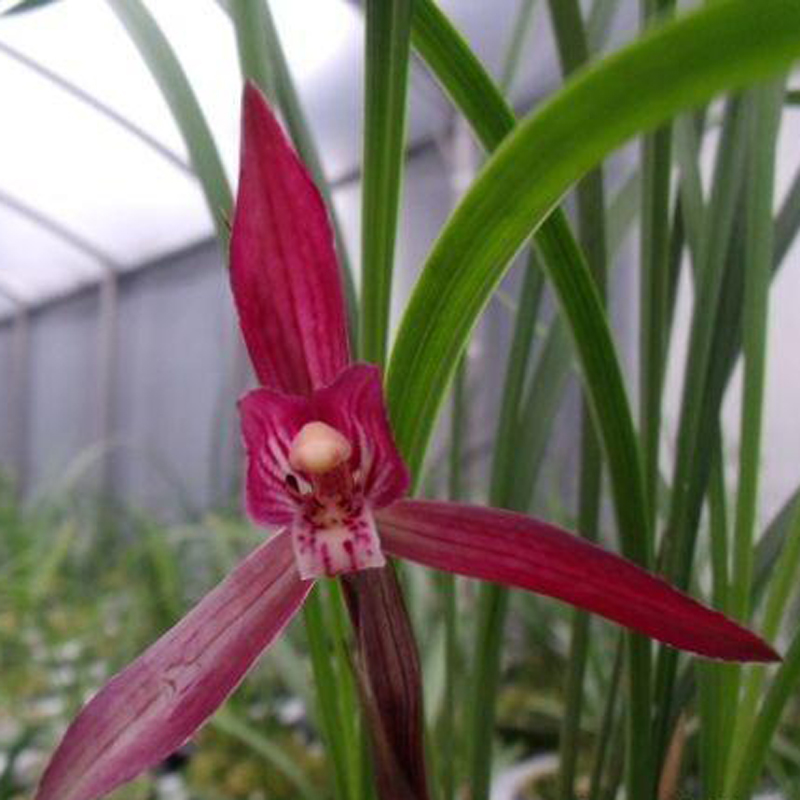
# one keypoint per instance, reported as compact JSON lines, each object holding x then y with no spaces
{"x":81,"y":194}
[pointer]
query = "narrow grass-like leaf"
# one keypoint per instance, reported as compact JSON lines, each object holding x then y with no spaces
{"x":505,"y":456}
{"x":606,"y":728}
{"x":763,"y":119}
{"x":473,"y":92}
{"x":654,"y":284}
{"x":538,"y":410}
{"x":714,"y":245}
{"x":461,"y":73}
{"x":787,"y":222}
{"x":771,"y":544}
{"x":687,"y":150}
{"x":777,"y":698}
{"x":22,"y":6}
{"x":622,"y":210}
{"x":781,"y":586}
{"x":520,"y":28}
{"x":599,"y":22}
{"x":526,"y":177}
{"x":388,"y":36}
{"x":492,"y":606}
{"x":710,"y":681}
{"x":248,"y":17}
{"x":573,"y":51}
{"x":758,"y":257}
{"x":512,"y":193}
{"x":697,"y":428}
{"x":430,"y":338}
{"x":166,"y":70}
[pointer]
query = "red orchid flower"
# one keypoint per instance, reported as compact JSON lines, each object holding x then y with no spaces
{"x":322,"y":464}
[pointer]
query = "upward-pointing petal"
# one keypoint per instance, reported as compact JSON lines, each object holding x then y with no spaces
{"x":154,"y":705}
{"x":284,"y":272}
{"x":516,"y":550}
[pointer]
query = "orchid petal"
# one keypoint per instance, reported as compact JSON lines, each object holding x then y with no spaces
{"x":154,"y":705}
{"x":390,"y":682}
{"x":270,"y":421}
{"x":519,"y":551}
{"x":354,"y":405}
{"x":284,"y":272}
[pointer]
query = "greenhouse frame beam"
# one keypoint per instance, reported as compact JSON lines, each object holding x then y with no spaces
{"x":100,"y":107}
{"x":104,"y":260}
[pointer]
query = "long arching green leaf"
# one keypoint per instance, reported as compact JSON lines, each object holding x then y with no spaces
{"x":671,"y":69}
{"x":166,"y":70}
{"x":473,"y":92}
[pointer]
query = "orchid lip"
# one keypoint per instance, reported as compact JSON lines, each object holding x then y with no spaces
{"x":333,"y":531}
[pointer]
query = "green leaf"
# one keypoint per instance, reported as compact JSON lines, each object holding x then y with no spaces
{"x":22,"y":6}
{"x":472,"y":90}
{"x":462,"y":75}
{"x":775,"y":702}
{"x":492,"y":606}
{"x":388,"y":24}
{"x":327,"y":694}
{"x":670,"y":69}
{"x":166,"y":70}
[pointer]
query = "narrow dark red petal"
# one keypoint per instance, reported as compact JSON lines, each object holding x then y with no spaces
{"x":284,"y":271}
{"x":516,"y":550}
{"x":390,"y":682}
{"x":154,"y":705}
{"x":354,"y":405}
{"x":270,"y":421}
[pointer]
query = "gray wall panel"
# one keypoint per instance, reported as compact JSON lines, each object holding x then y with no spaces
{"x":62,"y":394}
{"x":172,"y":373}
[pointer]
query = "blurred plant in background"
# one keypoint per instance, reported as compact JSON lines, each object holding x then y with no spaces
{"x":503,"y":680}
